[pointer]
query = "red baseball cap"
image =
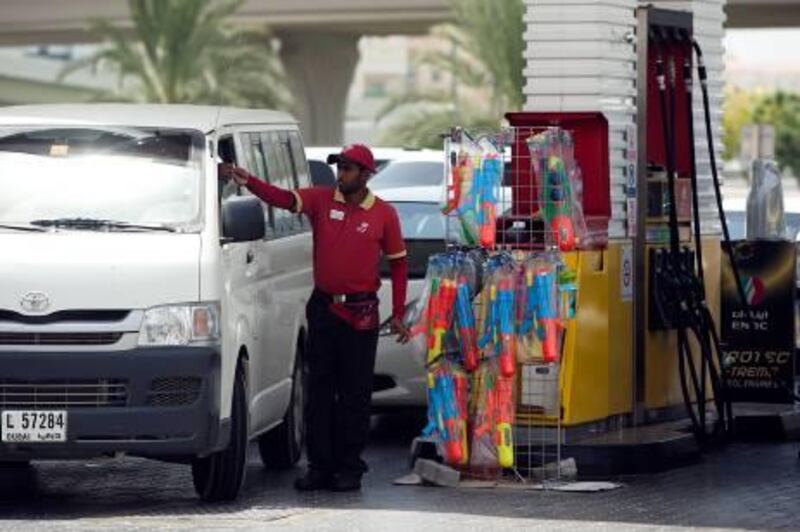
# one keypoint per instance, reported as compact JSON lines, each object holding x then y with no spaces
{"x":355,"y":153}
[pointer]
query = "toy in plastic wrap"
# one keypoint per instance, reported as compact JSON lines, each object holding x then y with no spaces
{"x":446,"y":300}
{"x":545,"y":290}
{"x":466,"y":325}
{"x":558,"y":177}
{"x":505,"y":306}
{"x":490,"y":179}
{"x":504,"y":420}
{"x":447,"y":412}
{"x":550,"y":298}
{"x":474,"y":174}
{"x":442,"y":301}
{"x":492,"y":435}
{"x":498,"y":338}
{"x":529,"y":345}
{"x":460,"y":181}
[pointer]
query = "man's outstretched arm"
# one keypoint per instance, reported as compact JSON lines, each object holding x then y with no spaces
{"x":269,"y":194}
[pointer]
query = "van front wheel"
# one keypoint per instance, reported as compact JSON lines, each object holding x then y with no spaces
{"x":281,"y":447}
{"x":219,"y":477}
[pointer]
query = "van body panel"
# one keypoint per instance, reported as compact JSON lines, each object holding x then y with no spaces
{"x":97,"y":270}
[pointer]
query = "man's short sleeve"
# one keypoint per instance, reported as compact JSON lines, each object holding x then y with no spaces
{"x":308,"y":200}
{"x":392,"y":242}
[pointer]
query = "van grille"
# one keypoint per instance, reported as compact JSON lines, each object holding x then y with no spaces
{"x":65,"y":315}
{"x":84,"y":393}
{"x":18,"y":338}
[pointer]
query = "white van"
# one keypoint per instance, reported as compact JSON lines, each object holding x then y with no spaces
{"x":146,"y":307}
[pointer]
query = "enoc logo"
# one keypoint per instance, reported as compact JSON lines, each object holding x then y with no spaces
{"x":754,"y":290}
{"x":35,"y":302}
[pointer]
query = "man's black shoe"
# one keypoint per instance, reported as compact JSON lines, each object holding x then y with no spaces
{"x":346,"y":483}
{"x":313,"y":480}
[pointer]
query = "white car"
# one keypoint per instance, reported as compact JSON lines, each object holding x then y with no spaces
{"x":146,"y":307}
{"x":318,"y":158}
{"x":735,"y":208}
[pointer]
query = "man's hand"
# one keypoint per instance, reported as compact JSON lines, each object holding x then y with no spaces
{"x":230,"y":171}
{"x":399,"y":328}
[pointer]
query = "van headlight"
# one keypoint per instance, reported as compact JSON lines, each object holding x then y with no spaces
{"x":196,"y":323}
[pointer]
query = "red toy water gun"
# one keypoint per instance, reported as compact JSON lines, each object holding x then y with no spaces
{"x":441,"y":317}
{"x":547,"y":313}
{"x":449,"y":424}
{"x":462,"y":402}
{"x":459,"y":175}
{"x":504,"y":419}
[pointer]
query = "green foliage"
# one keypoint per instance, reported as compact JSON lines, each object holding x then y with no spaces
{"x":737,"y":113}
{"x":188,"y":51}
{"x":486,"y":56}
{"x":782,"y":110}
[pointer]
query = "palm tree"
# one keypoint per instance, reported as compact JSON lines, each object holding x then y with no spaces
{"x":188,"y":51}
{"x":485,"y":56}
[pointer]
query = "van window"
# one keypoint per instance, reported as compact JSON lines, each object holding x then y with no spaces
{"x":116,"y":174}
{"x":301,"y":170}
{"x":299,"y":159}
{"x":281,"y":174}
{"x":255,"y":161}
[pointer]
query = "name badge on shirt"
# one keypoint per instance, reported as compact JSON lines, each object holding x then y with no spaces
{"x":337,"y":215}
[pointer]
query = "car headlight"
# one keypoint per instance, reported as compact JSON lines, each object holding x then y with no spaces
{"x":195,"y":323}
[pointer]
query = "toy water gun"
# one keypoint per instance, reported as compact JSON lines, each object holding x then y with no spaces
{"x":462,"y":402}
{"x":547,"y":313}
{"x":442,"y":300}
{"x":568,"y":290}
{"x":529,"y":346}
{"x":529,"y":311}
{"x":489,"y":333}
{"x":461,"y":177}
{"x":504,"y":418}
{"x":490,"y":179}
{"x":505,"y":316}
{"x":443,"y":396}
{"x":494,"y":416}
{"x":433,"y":313}
{"x":485,"y":400}
{"x":466,"y":325}
{"x":557,"y":207}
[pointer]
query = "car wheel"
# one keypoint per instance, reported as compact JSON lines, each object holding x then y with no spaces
{"x":219,"y":477}
{"x":281,"y":447}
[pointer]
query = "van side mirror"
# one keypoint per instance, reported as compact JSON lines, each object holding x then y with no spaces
{"x":243,"y":219}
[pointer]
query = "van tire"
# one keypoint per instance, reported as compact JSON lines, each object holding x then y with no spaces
{"x":282,"y":447}
{"x":219,"y":476}
{"x":14,"y":464}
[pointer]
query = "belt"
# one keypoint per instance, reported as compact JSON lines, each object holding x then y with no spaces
{"x":345,"y":298}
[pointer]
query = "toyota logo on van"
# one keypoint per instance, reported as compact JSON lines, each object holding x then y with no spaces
{"x":35,"y":302}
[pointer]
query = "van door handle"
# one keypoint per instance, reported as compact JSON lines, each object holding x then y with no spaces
{"x":250,"y":256}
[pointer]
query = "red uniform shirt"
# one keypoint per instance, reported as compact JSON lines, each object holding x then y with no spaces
{"x":349,"y":239}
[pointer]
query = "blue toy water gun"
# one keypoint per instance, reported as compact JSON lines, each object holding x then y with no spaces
{"x":466,"y":325}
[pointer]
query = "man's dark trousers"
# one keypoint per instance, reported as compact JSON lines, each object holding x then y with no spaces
{"x":341,"y":362}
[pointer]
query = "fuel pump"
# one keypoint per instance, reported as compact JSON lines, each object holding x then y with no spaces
{"x":677,"y":278}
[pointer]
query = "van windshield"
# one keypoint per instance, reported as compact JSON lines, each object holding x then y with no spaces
{"x":116,"y":177}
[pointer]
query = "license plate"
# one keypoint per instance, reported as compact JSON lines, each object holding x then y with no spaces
{"x":25,"y":426}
